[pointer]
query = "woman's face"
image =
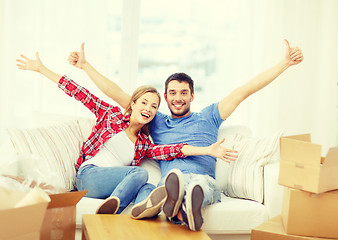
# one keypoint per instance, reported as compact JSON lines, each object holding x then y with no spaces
{"x":145,"y":108}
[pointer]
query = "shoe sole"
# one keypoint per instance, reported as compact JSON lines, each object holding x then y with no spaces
{"x":194,"y":201}
{"x":175,"y":190}
{"x":151,"y":206}
{"x":109,"y":206}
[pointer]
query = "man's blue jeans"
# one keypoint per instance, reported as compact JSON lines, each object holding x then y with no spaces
{"x":212,"y":191}
{"x":128,"y":183}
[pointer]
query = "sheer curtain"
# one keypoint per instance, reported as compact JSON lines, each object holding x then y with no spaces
{"x":54,"y":29}
{"x":246,"y":37}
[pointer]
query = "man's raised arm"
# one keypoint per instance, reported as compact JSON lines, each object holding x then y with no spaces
{"x":228,"y":104}
{"x":107,"y":86}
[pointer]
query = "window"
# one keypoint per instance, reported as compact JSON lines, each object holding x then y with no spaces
{"x":180,"y":36}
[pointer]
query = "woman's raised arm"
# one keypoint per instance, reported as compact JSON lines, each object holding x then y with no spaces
{"x":107,"y":86}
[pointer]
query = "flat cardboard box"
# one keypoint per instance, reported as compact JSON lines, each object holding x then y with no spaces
{"x":23,"y":223}
{"x":274,"y":230}
{"x":60,"y":218}
{"x":310,"y":214}
{"x":302,"y":167}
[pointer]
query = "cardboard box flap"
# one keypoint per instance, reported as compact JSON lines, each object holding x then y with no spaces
{"x":300,"y":152}
{"x":8,"y":198}
{"x":331,"y":157}
{"x":301,"y":137}
{"x":20,"y":222}
{"x":65,"y":199}
{"x":14,"y":224}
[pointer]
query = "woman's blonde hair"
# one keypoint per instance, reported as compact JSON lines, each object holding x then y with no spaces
{"x":139,"y":92}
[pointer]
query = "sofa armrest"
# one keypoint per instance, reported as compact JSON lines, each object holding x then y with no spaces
{"x":226,"y":131}
{"x":273,"y":192}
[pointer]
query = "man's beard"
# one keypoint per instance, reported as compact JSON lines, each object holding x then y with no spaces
{"x":180,"y":114}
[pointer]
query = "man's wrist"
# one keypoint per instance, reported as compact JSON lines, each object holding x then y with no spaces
{"x":285,"y":63}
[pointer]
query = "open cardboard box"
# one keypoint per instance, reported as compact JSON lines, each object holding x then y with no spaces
{"x":310,"y":214}
{"x":60,"y":218}
{"x":22,"y":223}
{"x":302,"y":167}
{"x":273,"y":229}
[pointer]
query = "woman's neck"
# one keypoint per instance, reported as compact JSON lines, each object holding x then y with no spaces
{"x":132,"y":131}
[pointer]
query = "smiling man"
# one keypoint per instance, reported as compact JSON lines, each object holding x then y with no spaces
{"x":179,"y":93}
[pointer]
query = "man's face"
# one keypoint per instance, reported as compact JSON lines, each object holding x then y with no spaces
{"x":178,"y":98}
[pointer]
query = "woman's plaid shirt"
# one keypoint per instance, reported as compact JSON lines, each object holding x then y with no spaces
{"x":110,"y":121}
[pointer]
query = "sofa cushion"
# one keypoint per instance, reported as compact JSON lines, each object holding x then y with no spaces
{"x":244,"y":178}
{"x":57,"y":148}
{"x":233,"y":215}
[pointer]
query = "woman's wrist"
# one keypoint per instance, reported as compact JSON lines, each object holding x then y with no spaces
{"x":86,"y":66}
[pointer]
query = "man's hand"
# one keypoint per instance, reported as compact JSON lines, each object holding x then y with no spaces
{"x":293,"y":55}
{"x":227,"y":155}
{"x":77,"y":59}
{"x":30,"y":64}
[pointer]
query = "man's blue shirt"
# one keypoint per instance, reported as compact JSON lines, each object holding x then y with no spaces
{"x":197,"y":129}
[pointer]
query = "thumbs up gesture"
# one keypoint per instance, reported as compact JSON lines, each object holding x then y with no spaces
{"x":77,"y":59}
{"x":293,"y":54}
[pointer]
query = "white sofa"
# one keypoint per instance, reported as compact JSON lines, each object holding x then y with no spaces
{"x":232,"y":218}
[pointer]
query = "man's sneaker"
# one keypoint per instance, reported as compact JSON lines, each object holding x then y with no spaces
{"x":109,"y":206}
{"x":174,"y":187}
{"x":151,"y":206}
{"x":191,"y":208}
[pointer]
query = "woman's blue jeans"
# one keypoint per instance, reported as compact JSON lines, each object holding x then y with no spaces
{"x":128,"y":183}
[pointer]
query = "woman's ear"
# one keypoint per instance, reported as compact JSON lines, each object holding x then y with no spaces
{"x":132,"y":105}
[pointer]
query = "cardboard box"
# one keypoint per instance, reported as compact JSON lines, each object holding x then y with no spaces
{"x":310,"y":214}
{"x":59,"y":221}
{"x":302,"y":167}
{"x":60,"y":218}
{"x":23,"y":223}
{"x":274,"y":230}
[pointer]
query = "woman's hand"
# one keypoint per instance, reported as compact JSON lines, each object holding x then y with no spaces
{"x":30,"y":64}
{"x":227,"y":155}
{"x":293,"y":55}
{"x":36,"y":65}
{"x":77,"y":59}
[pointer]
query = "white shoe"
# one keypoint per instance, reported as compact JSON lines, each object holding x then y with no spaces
{"x":174,"y":185}
{"x":191,"y":208}
{"x":151,"y":206}
{"x":109,"y":206}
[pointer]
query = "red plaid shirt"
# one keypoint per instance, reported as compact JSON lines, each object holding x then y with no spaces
{"x":110,"y":121}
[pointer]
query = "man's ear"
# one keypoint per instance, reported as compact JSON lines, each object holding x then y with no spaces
{"x":192,"y":97}
{"x":165,"y":97}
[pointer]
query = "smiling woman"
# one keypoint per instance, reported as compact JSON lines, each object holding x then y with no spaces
{"x":144,"y":104}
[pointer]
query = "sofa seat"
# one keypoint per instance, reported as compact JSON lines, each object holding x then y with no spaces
{"x":228,"y":216}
